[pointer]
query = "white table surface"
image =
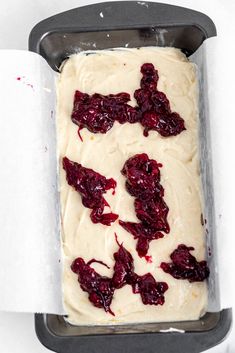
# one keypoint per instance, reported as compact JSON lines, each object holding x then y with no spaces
{"x":17,"y":17}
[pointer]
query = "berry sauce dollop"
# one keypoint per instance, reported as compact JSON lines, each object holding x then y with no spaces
{"x":143,"y":183}
{"x":101,"y":288}
{"x":151,"y":292}
{"x":153,"y":106}
{"x":185,"y":266}
{"x":123,"y":267}
{"x":91,"y":186}
{"x":98,"y":112}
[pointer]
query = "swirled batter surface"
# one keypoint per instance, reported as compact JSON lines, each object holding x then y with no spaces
{"x":117,"y":71}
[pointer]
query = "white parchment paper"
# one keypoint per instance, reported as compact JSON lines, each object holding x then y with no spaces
{"x":30,"y":268}
{"x":30,"y":244}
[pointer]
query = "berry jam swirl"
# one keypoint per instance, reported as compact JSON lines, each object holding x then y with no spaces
{"x":185,"y":266}
{"x":143,"y":183}
{"x":98,"y":113}
{"x":101,"y":289}
{"x":91,"y":186}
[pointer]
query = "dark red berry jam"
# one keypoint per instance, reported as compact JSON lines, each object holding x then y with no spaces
{"x":123,"y":267}
{"x":98,"y":113}
{"x":91,"y":186}
{"x":143,"y":182}
{"x":185,"y":266}
{"x":101,"y":288}
{"x":151,"y":292}
{"x":154,"y":107}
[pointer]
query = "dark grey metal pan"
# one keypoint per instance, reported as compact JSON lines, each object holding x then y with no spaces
{"x":110,"y":25}
{"x":136,"y":23}
{"x":56,"y":334}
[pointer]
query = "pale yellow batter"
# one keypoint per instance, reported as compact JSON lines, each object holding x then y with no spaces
{"x":116,"y":71}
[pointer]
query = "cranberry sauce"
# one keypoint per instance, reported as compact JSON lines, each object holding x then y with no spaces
{"x":151,"y":292}
{"x":123,"y":267}
{"x":143,"y":182}
{"x":101,"y":288}
{"x":185,"y":266}
{"x":154,"y":107}
{"x":98,"y":113}
{"x":91,"y":186}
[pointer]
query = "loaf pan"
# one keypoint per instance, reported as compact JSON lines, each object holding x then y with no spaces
{"x":128,"y":24}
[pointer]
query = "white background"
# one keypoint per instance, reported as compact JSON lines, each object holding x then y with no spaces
{"x":17,"y":17}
